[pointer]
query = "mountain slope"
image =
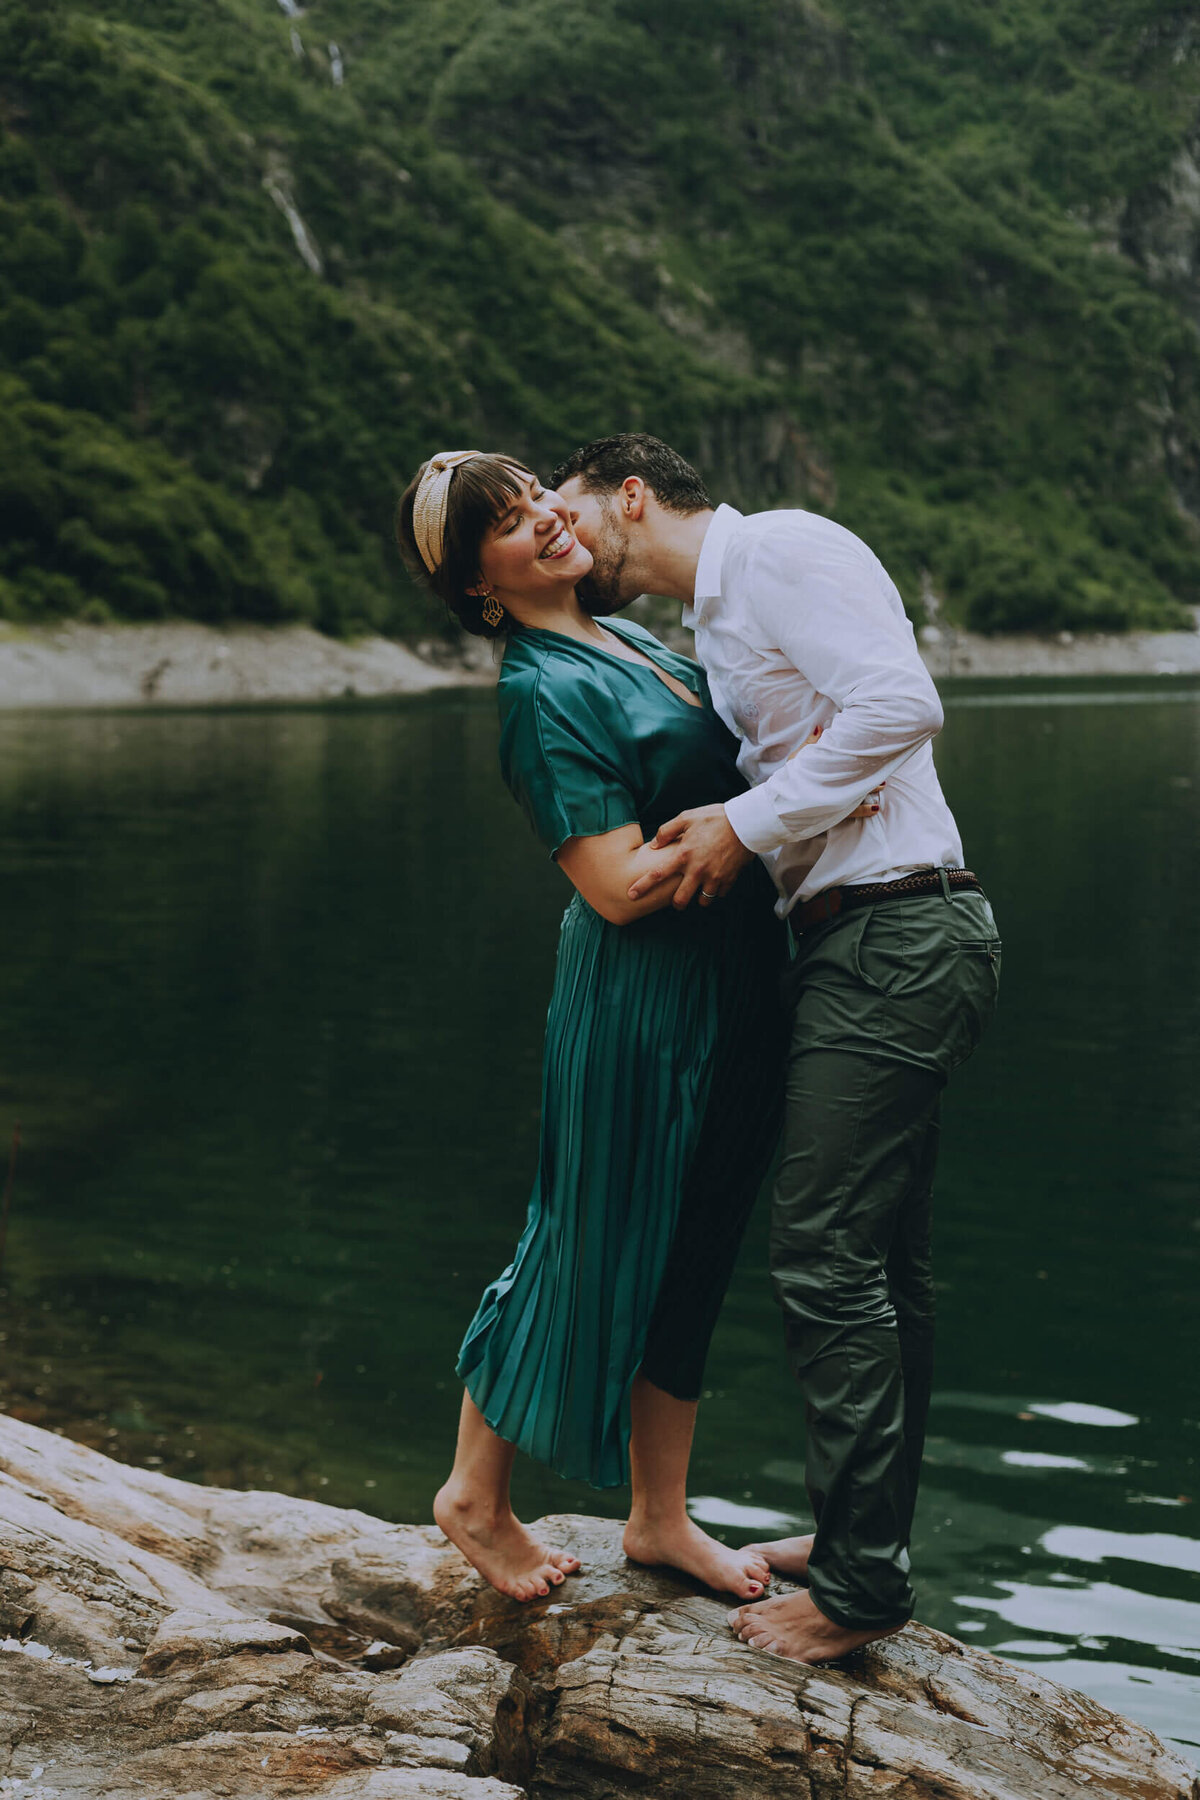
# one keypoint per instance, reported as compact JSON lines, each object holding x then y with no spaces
{"x":935,"y":274}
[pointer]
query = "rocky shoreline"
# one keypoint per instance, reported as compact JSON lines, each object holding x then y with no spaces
{"x":185,"y":664}
{"x":170,"y":1640}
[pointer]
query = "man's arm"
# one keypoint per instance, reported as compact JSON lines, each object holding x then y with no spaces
{"x":835,"y":621}
{"x":701,"y":853}
{"x":834,"y":617}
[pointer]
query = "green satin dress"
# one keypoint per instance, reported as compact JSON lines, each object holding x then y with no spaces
{"x":663,"y":1070}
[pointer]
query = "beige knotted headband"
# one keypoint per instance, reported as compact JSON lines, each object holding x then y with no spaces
{"x":432,"y":501}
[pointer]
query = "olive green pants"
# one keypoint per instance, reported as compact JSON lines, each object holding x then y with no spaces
{"x":888,"y":1001}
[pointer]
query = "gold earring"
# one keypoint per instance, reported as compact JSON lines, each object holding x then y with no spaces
{"x":493,"y":612}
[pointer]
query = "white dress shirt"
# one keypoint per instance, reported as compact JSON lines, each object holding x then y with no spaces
{"x":798,"y":624}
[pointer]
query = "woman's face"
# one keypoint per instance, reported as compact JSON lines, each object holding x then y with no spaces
{"x":530,"y":554}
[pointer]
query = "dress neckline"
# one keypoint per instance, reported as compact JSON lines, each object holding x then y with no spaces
{"x":657,"y":669}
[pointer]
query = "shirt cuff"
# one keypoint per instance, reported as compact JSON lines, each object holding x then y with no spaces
{"x":755,"y":821}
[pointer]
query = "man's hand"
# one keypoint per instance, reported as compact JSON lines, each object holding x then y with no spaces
{"x":700,"y":846}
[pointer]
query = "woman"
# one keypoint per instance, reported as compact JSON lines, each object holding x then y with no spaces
{"x":664,"y":1051}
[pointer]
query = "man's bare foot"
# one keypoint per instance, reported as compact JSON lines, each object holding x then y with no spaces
{"x":498,"y":1545}
{"x":792,"y":1626}
{"x":681,"y":1545}
{"x":787,"y":1556}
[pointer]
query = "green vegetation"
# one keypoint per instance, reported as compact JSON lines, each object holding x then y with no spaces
{"x":903,"y":264}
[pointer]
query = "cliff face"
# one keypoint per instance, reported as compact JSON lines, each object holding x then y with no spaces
{"x":931,"y":267}
{"x":190,"y":1642}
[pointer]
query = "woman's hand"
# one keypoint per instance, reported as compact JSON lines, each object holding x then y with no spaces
{"x":866,"y":809}
{"x":604,"y":869}
{"x":872,"y":805}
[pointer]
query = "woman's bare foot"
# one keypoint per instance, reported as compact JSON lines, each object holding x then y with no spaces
{"x":787,"y":1556}
{"x":498,"y":1545}
{"x":792,"y":1626}
{"x":681,"y":1545}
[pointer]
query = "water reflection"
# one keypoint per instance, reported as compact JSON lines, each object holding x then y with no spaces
{"x":1042,"y":1459}
{"x":944,"y":1453}
{"x":1075,"y":1412}
{"x":1084,"y":1543}
{"x":711,"y":1509}
{"x":1098,"y":1611}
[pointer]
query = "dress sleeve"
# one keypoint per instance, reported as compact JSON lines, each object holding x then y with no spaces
{"x":563,"y":758}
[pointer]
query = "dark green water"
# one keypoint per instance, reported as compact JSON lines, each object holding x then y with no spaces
{"x":272,"y":1002}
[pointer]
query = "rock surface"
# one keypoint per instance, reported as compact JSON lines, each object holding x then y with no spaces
{"x":183,"y":664}
{"x":183,"y":1643}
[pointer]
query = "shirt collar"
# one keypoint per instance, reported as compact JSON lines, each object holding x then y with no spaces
{"x":708,"y":564}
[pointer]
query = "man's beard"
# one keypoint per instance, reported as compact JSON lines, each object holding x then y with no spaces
{"x":600,"y":591}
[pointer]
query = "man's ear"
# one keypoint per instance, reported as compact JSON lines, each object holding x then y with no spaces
{"x":633,"y":497}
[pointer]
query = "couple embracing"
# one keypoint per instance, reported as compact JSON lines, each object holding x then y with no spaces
{"x":694,"y":807}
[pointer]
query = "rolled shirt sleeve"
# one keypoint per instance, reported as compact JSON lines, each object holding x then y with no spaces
{"x":840,"y":622}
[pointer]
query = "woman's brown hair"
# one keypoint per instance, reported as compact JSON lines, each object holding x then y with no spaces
{"x":480,"y":490}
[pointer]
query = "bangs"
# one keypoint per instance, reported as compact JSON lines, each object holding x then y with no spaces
{"x":482,"y":490}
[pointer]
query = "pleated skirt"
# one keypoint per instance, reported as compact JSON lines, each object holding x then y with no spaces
{"x":664,"y":1039}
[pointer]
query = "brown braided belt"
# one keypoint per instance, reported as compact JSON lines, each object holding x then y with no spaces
{"x":847,"y":899}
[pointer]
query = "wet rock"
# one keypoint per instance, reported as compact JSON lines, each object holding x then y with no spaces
{"x":269,"y":1625}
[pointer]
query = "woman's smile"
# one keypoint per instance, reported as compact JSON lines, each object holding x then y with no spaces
{"x":561,"y":544}
{"x":533,"y":535}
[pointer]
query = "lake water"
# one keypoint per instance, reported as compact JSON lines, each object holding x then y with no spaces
{"x":272,"y":1005}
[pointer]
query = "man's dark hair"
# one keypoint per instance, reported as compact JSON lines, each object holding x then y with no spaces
{"x":605,"y":463}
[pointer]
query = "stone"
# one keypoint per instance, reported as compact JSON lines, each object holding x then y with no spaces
{"x":251,"y":1762}
{"x":272,"y":1629}
{"x":421,"y":1784}
{"x":470,"y":1697}
{"x":185,"y":1639}
{"x":381,"y":1655}
{"x":420,"y":1751}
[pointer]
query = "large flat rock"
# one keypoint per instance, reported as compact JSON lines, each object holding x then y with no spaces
{"x":182,"y":1642}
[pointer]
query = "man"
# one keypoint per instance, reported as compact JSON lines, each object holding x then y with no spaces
{"x":798,"y":626}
